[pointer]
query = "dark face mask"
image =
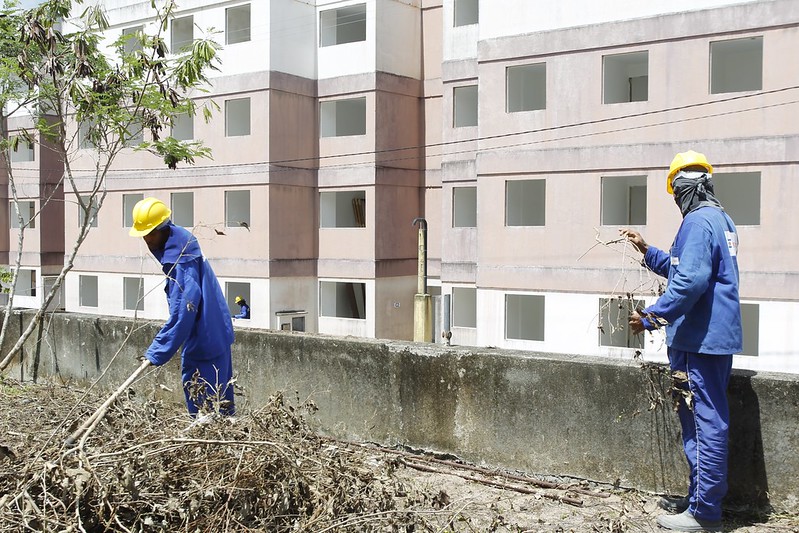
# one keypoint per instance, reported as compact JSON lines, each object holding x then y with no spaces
{"x":693,"y":190}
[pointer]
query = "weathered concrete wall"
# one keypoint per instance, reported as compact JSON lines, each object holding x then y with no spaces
{"x":535,"y":412}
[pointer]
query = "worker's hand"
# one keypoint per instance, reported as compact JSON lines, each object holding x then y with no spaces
{"x":635,"y":322}
{"x":635,"y":239}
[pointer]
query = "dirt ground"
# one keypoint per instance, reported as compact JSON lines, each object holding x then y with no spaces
{"x":149,"y":467}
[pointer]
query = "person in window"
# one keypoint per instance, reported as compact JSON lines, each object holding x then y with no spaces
{"x":199,"y":319}
{"x":244,"y":309}
{"x":701,"y":312}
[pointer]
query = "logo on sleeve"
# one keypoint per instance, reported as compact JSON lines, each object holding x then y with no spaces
{"x":675,"y":261}
{"x":732,"y":242}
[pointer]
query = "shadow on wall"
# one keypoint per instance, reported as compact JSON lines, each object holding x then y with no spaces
{"x":747,"y":464}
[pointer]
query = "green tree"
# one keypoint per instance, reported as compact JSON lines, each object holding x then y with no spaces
{"x":78,"y":90}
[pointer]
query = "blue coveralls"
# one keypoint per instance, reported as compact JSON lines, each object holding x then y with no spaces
{"x":199,"y":320}
{"x":702,"y":307}
{"x":244,"y":311}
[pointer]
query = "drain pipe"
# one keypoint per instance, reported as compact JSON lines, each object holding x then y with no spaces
{"x":422,"y":308}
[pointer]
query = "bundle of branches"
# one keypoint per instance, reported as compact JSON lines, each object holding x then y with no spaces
{"x":144,"y":469}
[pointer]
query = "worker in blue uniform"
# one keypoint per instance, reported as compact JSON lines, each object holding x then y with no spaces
{"x":199,"y":319}
{"x":244,"y":309}
{"x":701,"y":312}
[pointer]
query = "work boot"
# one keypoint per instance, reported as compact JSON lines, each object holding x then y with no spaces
{"x":673,"y":504}
{"x":685,"y":521}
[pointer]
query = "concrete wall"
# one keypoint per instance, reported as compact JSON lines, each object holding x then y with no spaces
{"x":542,"y":413}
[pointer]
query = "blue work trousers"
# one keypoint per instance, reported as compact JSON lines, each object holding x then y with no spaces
{"x":213,"y":385}
{"x":705,"y":428}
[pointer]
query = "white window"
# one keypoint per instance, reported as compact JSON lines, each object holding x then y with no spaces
{"x":524,"y":317}
{"x":464,"y":207}
{"x":342,"y":209}
{"x":87,"y":291}
{"x":90,"y":209}
{"x":736,"y":65}
{"x":26,"y":282}
{"x":237,"y":24}
{"x":132,"y":294}
{"x":233,"y":289}
{"x":128,"y":202}
{"x":465,"y":106}
{"x":625,"y":77}
{"x":466,"y":12}
{"x":464,"y":307}
{"x":342,"y":25}
{"x":85,"y":132}
{"x":624,"y":200}
{"x":739,"y":193}
{"x":750,"y":323}
{"x":23,"y":152}
{"x":183,"y":127}
{"x":237,"y":117}
{"x":182,"y":208}
{"x":237,"y":209}
{"x":614,"y":329}
{"x":526,"y":88}
{"x":525,"y":202}
{"x":135,"y":132}
{"x":27,"y":209}
{"x":131,"y":39}
{"x":342,"y":299}
{"x":182,"y":33}
{"x":340,"y":118}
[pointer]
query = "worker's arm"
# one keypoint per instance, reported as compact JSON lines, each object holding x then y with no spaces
{"x":657,"y":261}
{"x":693,"y":268}
{"x":184,"y":298}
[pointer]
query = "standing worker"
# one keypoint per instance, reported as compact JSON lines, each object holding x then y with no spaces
{"x":702,"y":314}
{"x":244,"y":309}
{"x":199,"y":318}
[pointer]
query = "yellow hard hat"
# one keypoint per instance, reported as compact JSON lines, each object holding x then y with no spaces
{"x":239,"y":299}
{"x":684,"y":160}
{"x":148,"y":214}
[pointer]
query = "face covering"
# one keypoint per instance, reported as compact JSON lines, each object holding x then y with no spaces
{"x":693,"y":190}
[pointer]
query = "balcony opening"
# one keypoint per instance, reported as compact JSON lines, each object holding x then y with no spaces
{"x":342,"y":299}
{"x":342,"y":209}
{"x":613,"y":323}
{"x":736,"y":65}
{"x":624,"y":200}
{"x":133,"y":294}
{"x":465,"y":106}
{"x":237,"y":117}
{"x":182,"y":209}
{"x":183,"y":127}
{"x":340,"y":118}
{"x":87,"y":291}
{"x":526,"y":87}
{"x":466,"y":12}
{"x":22,"y":152}
{"x":237,"y":24}
{"x":750,"y":323}
{"x":464,"y":207}
{"x":342,"y":25}
{"x":182,"y":33}
{"x":27,"y":208}
{"x":90,"y":209}
{"x":739,"y":193}
{"x":524,"y":317}
{"x":128,"y":202}
{"x":464,"y":307}
{"x":26,"y":282}
{"x":233,"y":289}
{"x":525,"y":202}
{"x":625,"y":77}
{"x":237,"y":209}
{"x":131,"y":39}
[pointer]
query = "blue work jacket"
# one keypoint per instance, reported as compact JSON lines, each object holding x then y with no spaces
{"x":199,"y":319}
{"x":701,"y":302}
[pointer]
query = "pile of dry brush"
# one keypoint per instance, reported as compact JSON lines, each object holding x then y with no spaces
{"x":149,"y":468}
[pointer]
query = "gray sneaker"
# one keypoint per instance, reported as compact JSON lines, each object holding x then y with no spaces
{"x":673,"y":504}
{"x":685,"y":521}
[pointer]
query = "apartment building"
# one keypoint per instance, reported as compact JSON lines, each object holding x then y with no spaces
{"x":525,"y":137}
